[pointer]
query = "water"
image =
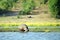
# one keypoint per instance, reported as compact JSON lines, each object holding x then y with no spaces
{"x":30,"y":36}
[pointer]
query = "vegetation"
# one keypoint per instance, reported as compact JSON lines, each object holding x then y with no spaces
{"x":7,"y":4}
{"x":43,"y":19}
{"x":54,"y":6}
{"x":42,"y":27}
{"x":44,"y":1}
{"x":28,"y":6}
{"x":31,"y":24}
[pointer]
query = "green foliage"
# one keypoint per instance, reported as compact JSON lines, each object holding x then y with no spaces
{"x":54,"y":6}
{"x":7,"y":4}
{"x":43,"y":1}
{"x":28,"y":6}
{"x":15,"y":1}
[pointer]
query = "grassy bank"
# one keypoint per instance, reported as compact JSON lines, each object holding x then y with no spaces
{"x":35,"y":27}
{"x":36,"y":24}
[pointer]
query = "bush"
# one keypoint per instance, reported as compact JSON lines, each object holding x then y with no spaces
{"x":54,"y":6}
{"x":28,"y":6}
{"x":43,"y":1}
{"x":7,"y":4}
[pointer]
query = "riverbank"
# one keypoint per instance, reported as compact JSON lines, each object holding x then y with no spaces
{"x":37,"y":22}
{"x":33,"y":27}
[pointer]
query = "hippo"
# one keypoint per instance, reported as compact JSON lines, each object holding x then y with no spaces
{"x":23,"y":28}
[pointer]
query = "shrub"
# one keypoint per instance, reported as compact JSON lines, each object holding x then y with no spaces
{"x":7,"y":4}
{"x":43,"y":1}
{"x":28,"y":6}
{"x":54,"y":6}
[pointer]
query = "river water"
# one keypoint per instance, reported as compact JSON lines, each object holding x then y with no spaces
{"x":30,"y":36}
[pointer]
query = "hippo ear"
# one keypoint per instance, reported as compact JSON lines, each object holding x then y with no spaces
{"x":26,"y":27}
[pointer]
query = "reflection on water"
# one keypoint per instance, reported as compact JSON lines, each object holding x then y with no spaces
{"x":29,"y":36}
